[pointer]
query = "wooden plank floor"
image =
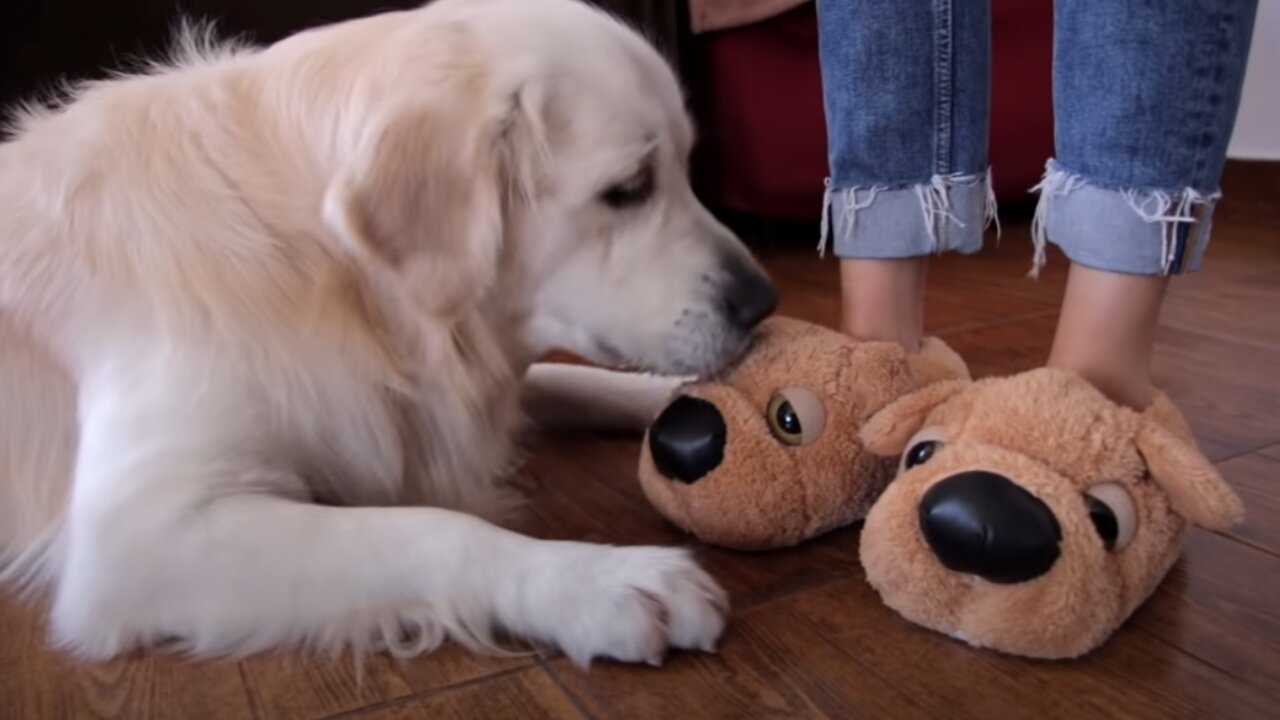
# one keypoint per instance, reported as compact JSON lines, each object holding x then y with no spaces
{"x":808,"y":637}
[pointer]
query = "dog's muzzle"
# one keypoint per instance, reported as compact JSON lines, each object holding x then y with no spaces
{"x":981,"y":523}
{"x":687,"y":440}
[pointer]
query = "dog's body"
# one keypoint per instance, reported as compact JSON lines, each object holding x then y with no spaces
{"x":253,"y":282}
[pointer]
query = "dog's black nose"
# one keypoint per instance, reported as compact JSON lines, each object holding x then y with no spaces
{"x":687,"y":439}
{"x":749,"y":298}
{"x":981,"y":523}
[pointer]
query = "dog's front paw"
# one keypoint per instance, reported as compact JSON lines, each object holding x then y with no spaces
{"x":627,"y":604}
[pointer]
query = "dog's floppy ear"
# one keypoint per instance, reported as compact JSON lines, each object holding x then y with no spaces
{"x":888,"y":431}
{"x":427,"y":193}
{"x":1196,"y":490}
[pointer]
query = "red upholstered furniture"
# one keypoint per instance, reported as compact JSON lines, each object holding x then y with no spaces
{"x":758,"y":97}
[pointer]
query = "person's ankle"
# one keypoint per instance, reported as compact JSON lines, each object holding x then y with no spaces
{"x":1129,"y":387}
{"x":1106,"y":332}
{"x":905,"y":335}
{"x":883,"y":300}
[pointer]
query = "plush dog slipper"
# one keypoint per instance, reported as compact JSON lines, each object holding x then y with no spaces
{"x":1030,"y":514}
{"x":768,"y":455}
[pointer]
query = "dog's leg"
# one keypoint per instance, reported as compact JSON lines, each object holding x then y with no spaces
{"x":177,"y":530}
{"x":577,"y":397}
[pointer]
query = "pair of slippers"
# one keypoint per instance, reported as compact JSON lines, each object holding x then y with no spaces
{"x":1027,"y":514}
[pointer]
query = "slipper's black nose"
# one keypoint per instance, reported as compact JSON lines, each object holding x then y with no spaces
{"x":983,"y":524}
{"x":687,"y":439}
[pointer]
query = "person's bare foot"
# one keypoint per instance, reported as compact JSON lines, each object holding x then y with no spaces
{"x":1106,"y":332}
{"x":883,"y":300}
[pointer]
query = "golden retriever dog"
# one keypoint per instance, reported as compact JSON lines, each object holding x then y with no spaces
{"x":266,"y":316}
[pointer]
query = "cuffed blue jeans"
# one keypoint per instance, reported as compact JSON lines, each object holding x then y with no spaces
{"x":1145,"y":98}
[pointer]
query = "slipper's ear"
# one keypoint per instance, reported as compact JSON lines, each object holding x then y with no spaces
{"x":935,"y":361}
{"x":887,"y":432}
{"x":1196,"y":490}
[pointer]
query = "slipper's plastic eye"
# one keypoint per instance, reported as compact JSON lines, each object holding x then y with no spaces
{"x":796,"y":416}
{"x":1113,"y":514}
{"x":922,"y":448}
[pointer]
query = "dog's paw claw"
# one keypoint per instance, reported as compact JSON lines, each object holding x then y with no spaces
{"x":633,"y":605}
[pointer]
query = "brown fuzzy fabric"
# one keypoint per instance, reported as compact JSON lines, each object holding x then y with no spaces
{"x":767,"y":494}
{"x":1053,"y":434}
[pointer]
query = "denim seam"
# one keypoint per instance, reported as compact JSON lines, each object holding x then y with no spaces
{"x":1211,"y":66}
{"x":952,"y":178}
{"x":1206,"y":67}
{"x":942,"y":83}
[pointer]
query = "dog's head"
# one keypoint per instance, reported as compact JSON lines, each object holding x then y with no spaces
{"x":537,"y":151}
{"x":1031,"y":514}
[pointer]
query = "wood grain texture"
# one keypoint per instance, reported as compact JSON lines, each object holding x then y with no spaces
{"x":587,"y":490}
{"x":809,"y":638}
{"x":772,"y":664}
{"x":963,"y":291}
{"x":39,"y":682}
{"x":1256,"y":478}
{"x":1221,"y":604}
{"x":289,"y":685}
{"x":1243,"y":310}
{"x":1135,"y":675}
{"x":527,"y":695}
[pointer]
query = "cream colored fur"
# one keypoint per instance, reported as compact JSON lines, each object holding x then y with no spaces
{"x":264,"y":315}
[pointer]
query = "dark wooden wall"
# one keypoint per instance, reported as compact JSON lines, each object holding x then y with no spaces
{"x":44,"y":40}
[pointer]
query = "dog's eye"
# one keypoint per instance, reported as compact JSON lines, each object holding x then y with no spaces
{"x":633,"y":191}
{"x":796,"y":416}
{"x":1113,"y":514}
{"x":922,"y":448}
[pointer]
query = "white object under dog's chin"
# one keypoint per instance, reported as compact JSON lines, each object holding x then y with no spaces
{"x":688,"y":349}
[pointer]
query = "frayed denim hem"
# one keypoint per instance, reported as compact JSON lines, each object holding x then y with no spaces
{"x":1124,"y":230}
{"x":947,"y":213}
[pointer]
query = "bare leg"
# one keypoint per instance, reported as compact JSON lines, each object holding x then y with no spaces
{"x":883,"y":299}
{"x":1130,"y":195}
{"x":1107,"y":330}
{"x":900,"y":189}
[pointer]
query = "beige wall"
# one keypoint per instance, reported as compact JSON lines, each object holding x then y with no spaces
{"x":1257,"y":132}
